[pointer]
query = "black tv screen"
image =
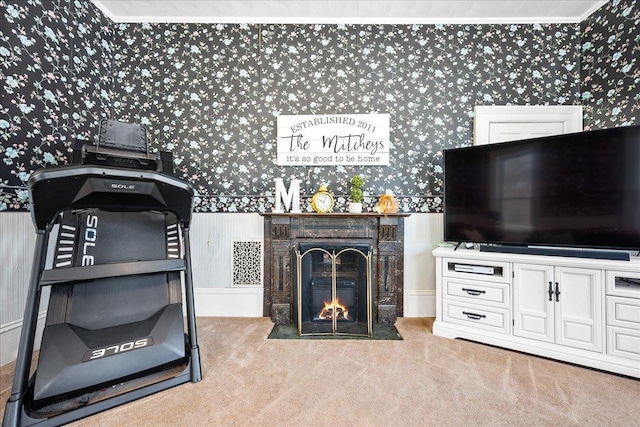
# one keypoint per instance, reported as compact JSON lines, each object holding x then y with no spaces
{"x":572,"y":190}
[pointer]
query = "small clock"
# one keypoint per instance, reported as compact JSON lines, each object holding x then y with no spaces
{"x":322,"y":201}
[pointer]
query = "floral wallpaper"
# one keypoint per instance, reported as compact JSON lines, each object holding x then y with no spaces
{"x":610,"y":51}
{"x":55,"y":73}
{"x":211,"y":93}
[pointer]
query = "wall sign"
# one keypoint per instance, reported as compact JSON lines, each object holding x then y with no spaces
{"x":335,"y":139}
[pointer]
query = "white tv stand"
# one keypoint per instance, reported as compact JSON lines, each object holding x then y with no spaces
{"x":582,"y":311}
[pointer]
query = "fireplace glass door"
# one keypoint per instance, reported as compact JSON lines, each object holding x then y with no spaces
{"x":333,"y":292}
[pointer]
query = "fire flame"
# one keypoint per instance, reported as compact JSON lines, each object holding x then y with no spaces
{"x":331,"y":307}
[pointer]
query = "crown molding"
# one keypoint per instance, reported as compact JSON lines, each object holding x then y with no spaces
{"x":106,"y":11}
{"x":343,"y":21}
{"x":352,"y":13}
{"x":593,"y":9}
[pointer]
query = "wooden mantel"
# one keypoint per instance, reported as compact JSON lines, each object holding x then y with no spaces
{"x":384,"y":232}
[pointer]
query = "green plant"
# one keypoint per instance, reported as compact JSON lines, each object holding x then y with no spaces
{"x":357,"y":182}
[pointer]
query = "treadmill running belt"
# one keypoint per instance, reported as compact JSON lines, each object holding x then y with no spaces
{"x":99,"y":332}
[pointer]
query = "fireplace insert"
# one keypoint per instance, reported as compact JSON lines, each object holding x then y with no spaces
{"x":333,"y":292}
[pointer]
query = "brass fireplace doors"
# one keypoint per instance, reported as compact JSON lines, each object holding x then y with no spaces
{"x":334,"y":293}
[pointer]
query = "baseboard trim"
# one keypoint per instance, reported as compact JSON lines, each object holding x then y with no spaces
{"x":247,"y":302}
{"x":10,"y":338}
{"x":229,"y":302}
{"x":218,"y":302}
{"x":419,"y":303}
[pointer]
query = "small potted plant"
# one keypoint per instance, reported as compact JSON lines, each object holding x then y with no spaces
{"x":355,"y":198}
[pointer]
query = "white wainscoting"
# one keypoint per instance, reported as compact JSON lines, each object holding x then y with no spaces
{"x":420,"y":303}
{"x":10,"y":338}
{"x":422,"y":234}
{"x":229,"y":302}
{"x":17,"y":243}
{"x":212,"y":236}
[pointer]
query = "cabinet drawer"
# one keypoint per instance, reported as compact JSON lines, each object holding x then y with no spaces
{"x":623,"y":312}
{"x":494,"y":294}
{"x":623,"y":284}
{"x":623,"y":342}
{"x":491,"y":319}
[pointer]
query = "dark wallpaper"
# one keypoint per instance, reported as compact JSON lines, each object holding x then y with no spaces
{"x":55,"y":72}
{"x":610,"y":51}
{"x":211,"y":93}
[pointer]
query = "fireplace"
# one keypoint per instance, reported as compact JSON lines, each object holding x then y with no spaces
{"x":333,"y":292}
{"x":379,"y":237}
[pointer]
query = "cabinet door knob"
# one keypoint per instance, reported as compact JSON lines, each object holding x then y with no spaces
{"x":557,"y":292}
{"x":550,"y":291}
{"x":474,"y":292}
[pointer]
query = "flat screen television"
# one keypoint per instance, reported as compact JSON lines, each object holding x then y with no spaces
{"x":578,"y":190}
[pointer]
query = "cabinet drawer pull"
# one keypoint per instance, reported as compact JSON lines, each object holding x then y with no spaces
{"x":550,"y":291}
{"x":557,"y":292}
{"x":474,"y":316}
{"x":474,"y":292}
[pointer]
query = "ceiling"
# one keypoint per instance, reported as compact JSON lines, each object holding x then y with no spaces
{"x":351,"y":11}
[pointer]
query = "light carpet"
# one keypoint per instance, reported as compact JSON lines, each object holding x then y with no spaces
{"x":422,"y":380}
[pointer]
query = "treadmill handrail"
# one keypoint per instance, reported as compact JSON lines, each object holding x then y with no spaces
{"x":118,"y":269}
{"x":55,"y":189}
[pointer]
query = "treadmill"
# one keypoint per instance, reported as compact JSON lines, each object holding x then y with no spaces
{"x":113,"y":246}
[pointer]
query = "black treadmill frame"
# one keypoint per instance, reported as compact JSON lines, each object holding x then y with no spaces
{"x":56,"y":189}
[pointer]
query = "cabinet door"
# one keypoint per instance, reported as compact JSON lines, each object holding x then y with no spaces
{"x":579,"y":315}
{"x":533,"y":312}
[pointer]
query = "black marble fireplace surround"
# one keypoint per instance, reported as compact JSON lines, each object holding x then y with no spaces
{"x":287,"y":236}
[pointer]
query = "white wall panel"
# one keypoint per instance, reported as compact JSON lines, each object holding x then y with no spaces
{"x":420,"y":303}
{"x":17,"y":242}
{"x":423,"y":233}
{"x":229,"y":302}
{"x":212,"y":236}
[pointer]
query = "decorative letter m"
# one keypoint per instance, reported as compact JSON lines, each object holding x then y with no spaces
{"x":290,"y":198}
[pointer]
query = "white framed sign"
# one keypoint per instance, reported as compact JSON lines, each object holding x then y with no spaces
{"x":333,"y":139}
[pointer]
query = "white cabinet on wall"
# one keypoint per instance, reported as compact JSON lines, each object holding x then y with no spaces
{"x":578,"y":310}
